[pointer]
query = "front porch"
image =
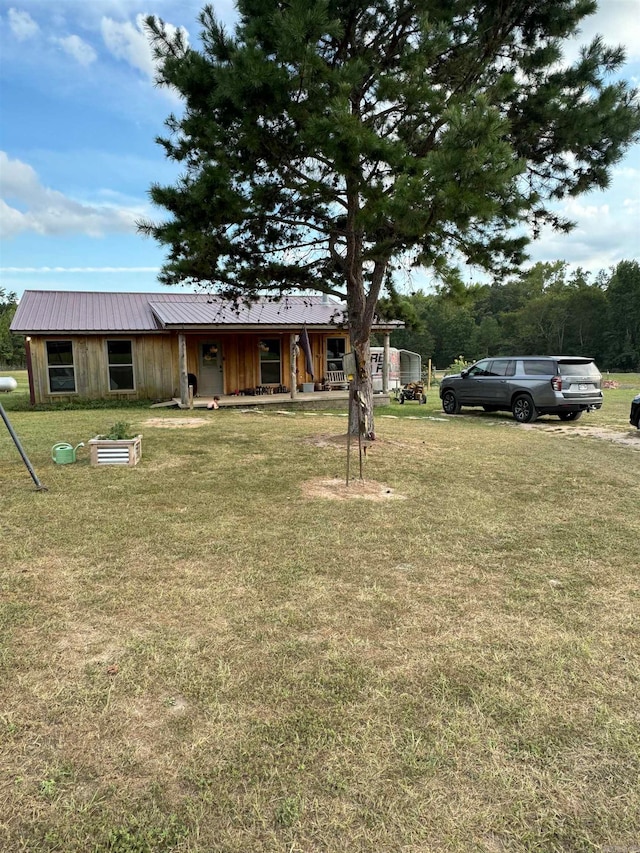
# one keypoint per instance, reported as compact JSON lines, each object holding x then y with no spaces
{"x":312,"y":400}
{"x":245,"y":368}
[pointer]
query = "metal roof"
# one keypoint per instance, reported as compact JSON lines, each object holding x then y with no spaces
{"x":288,"y":312}
{"x":41,"y":311}
{"x":64,"y":312}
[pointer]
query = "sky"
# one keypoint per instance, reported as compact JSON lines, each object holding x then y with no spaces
{"x":79,"y":114}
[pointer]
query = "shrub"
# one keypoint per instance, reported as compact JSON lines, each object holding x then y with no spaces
{"x":458,"y":365}
{"x":118,"y":432}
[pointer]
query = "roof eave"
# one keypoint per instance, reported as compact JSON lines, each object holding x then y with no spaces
{"x":62,"y":332}
{"x":264,"y":327}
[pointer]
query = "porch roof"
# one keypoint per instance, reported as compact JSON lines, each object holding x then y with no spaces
{"x":290,"y":312}
{"x":62,"y":312}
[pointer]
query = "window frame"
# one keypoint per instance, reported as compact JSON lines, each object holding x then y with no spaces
{"x":51,"y":366}
{"x":111,"y":390}
{"x":270,"y":362}
{"x":510,"y":367}
{"x":475,"y":371}
{"x":334,"y":360}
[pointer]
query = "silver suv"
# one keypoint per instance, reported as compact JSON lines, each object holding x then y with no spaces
{"x":528,"y":386}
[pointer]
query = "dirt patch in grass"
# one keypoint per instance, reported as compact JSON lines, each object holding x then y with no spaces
{"x":630,"y":439}
{"x":337,"y":490}
{"x":175,"y":423}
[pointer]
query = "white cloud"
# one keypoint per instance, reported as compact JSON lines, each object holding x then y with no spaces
{"x":28,"y":206}
{"x":22,"y":24}
{"x":604,"y":235}
{"x":617,"y":21}
{"x":627,"y":172}
{"x":129,"y":42}
{"x":78,"y":49}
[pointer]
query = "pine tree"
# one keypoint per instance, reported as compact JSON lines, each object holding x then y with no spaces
{"x":324,"y":143}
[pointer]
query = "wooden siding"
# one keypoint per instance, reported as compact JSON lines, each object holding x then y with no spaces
{"x":156,"y":363}
{"x":155,"y":367}
{"x":241,"y":357}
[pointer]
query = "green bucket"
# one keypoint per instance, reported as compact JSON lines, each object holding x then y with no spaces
{"x":63,"y":453}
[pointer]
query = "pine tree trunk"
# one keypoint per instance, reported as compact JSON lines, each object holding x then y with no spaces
{"x":361,"y":304}
{"x":360,"y":315}
{"x":360,"y":311}
{"x":361,"y":415}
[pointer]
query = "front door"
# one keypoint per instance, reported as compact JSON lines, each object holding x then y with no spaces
{"x":210,"y":379}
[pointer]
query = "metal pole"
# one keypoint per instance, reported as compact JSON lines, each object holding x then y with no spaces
{"x":25,"y":459}
{"x":293,"y":366}
{"x":349,"y":432}
{"x":182,"y":366}
{"x":360,"y":431}
{"x":385,"y":364}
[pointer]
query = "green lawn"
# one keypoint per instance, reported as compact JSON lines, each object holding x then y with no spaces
{"x":208,"y":652}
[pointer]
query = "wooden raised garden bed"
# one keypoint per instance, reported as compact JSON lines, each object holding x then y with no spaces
{"x":121,"y":451}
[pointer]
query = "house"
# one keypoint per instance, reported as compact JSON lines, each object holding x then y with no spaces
{"x":163,"y":346}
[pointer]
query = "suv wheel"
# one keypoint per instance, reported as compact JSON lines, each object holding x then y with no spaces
{"x":570,"y":416}
{"x":523,"y":409}
{"x":450,"y":404}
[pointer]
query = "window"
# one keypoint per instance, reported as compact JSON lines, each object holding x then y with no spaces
{"x":538,"y":367}
{"x":269,"y":349}
{"x":62,"y":375}
{"x":120,"y":361}
{"x":336,"y":348}
{"x":480,"y":369}
{"x":503,"y":368}
{"x":578,"y":368}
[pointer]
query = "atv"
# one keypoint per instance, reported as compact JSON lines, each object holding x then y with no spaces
{"x":412,"y":391}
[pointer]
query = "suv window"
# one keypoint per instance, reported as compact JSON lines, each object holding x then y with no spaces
{"x":578,"y":368}
{"x":480,"y":369}
{"x":503,"y":367}
{"x":538,"y":367}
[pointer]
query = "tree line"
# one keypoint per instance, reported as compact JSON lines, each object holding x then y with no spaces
{"x":546,"y":310}
{"x":12,"y":352}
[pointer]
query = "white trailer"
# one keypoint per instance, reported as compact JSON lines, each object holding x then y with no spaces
{"x":404,"y":367}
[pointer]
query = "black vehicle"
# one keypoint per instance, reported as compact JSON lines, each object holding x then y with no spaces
{"x":634,"y":414}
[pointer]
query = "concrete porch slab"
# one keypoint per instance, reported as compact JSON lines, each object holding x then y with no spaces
{"x":316,"y":399}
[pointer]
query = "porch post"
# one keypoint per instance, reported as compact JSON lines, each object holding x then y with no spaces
{"x":27,"y":350}
{"x":293,"y":376}
{"x":385,"y":364}
{"x":182,"y":364}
